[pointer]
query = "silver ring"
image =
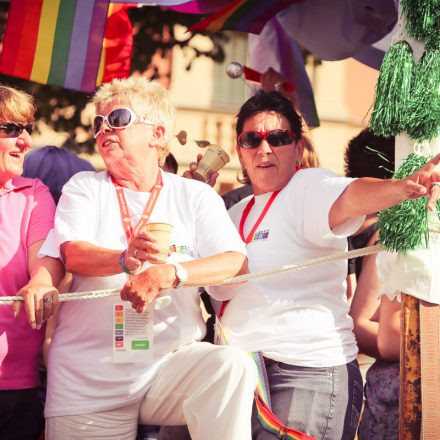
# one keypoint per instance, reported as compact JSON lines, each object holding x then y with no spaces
{"x":435,"y":184}
{"x":278,"y":86}
{"x":47,"y":300}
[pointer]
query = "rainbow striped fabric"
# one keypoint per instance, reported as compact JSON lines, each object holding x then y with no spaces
{"x":243,"y":15}
{"x":267,"y":418}
{"x":55,"y":42}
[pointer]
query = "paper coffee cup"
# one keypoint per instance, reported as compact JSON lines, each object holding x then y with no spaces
{"x":213,"y":159}
{"x":162,"y":232}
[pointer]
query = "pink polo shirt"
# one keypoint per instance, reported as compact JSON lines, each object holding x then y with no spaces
{"x":26,"y":216}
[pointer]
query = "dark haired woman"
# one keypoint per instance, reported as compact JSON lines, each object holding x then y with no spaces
{"x":299,"y":320}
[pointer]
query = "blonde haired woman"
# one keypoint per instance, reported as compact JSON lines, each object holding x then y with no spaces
{"x":94,"y":390}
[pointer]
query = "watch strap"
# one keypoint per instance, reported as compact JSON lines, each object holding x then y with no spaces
{"x":181,"y":275}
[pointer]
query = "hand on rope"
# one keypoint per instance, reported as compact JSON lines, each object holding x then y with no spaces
{"x":143,"y":288}
{"x":40,"y":303}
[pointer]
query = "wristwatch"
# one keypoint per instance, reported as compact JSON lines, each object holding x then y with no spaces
{"x":181,"y":275}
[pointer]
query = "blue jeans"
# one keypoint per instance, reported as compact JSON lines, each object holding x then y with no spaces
{"x":322,"y":402}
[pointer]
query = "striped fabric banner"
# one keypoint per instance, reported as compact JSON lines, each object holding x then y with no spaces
{"x":201,"y":6}
{"x":55,"y":42}
{"x":117,"y":45}
{"x":243,"y":15}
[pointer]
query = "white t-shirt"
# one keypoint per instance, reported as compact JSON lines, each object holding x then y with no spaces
{"x":299,"y":317}
{"x":81,"y":375}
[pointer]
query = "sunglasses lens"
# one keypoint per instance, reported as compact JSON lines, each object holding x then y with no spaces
{"x":278,"y":138}
{"x":12,"y":129}
{"x":119,"y":118}
{"x":250,"y":139}
{"x":97,"y":122}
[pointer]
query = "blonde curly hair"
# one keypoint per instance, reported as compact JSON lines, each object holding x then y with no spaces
{"x":148,"y":99}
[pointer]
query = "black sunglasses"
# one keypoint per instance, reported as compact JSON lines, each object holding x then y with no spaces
{"x":13,"y":129}
{"x":275,"y":138}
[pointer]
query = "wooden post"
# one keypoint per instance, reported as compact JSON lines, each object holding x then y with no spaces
{"x":410,"y":406}
{"x":430,"y":369}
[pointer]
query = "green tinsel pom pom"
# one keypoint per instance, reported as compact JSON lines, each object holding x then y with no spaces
{"x":423,"y":114}
{"x":423,"y":19}
{"x":404,"y":227}
{"x":393,"y":90}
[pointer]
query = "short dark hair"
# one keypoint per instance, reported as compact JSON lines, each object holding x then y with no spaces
{"x":368,"y":155}
{"x":270,"y":102}
{"x":171,"y":163}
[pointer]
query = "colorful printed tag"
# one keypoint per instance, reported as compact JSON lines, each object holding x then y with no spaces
{"x":132,"y":334}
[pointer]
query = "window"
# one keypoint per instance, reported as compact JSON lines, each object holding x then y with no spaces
{"x":229,"y":94}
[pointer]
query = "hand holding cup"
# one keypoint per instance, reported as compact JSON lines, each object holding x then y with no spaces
{"x":150,"y":244}
{"x":189,"y":174}
{"x":212,"y":161}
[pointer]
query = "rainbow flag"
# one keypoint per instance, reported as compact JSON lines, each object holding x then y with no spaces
{"x":55,"y":42}
{"x":243,"y":15}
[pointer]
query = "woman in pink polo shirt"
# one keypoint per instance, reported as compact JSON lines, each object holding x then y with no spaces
{"x":26,"y":216}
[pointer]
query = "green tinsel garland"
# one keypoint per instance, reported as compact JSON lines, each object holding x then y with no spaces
{"x":422,"y":19}
{"x":404,"y":227}
{"x":393,"y":90}
{"x":423,"y":112}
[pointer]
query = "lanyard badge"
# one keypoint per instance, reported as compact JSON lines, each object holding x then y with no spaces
{"x":132,"y":334}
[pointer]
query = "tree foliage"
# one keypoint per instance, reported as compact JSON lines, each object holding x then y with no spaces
{"x":154,"y":36}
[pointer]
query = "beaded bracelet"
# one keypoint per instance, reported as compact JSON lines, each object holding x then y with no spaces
{"x":122,"y":263}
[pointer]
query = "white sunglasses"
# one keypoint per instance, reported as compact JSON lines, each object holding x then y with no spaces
{"x":117,"y":119}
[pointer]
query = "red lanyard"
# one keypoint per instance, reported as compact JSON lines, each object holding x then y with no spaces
{"x":246,"y":212}
{"x":123,"y":207}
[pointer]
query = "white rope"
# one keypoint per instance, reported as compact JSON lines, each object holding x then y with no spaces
{"x":304,"y":264}
{"x":69,"y":296}
{"x":239,"y":279}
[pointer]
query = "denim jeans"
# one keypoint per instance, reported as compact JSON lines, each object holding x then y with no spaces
{"x":322,"y":402}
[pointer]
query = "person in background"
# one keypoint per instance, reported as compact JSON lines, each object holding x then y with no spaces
{"x":299,"y":320}
{"x":367,"y":155}
{"x":54,"y":166}
{"x":170,"y":164}
{"x":95,"y":389}
{"x":376,"y":319}
{"x":26,"y":217}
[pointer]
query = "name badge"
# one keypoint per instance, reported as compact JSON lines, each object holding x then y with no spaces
{"x":132,"y":334}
